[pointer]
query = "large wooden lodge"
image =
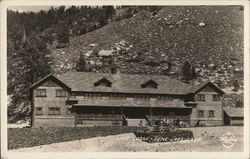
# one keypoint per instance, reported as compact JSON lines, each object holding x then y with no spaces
{"x":106,"y":99}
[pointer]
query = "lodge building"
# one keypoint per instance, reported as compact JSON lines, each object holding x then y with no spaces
{"x":106,"y":99}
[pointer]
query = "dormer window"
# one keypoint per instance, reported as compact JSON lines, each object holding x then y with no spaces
{"x":150,"y":84}
{"x":103,"y":82}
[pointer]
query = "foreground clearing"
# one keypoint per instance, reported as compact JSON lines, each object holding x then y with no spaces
{"x":206,"y":139}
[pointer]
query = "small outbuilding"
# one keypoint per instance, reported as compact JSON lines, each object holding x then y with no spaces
{"x":233,"y":116}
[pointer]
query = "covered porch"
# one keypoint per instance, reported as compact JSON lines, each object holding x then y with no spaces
{"x":124,"y":113}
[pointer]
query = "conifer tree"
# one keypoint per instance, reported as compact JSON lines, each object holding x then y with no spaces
{"x":187,"y":71}
{"x":194,"y":75}
{"x":31,"y":63}
{"x":81,"y":64}
{"x":63,"y":33}
{"x":236,"y":85}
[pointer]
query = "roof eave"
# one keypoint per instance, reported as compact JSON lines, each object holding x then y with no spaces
{"x":203,"y":85}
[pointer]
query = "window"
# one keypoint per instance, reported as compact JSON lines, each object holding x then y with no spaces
{"x":93,"y":96}
{"x":200,"y":97}
{"x":216,"y":97}
{"x":103,"y":82}
{"x":121,"y":96}
{"x":200,"y":113}
{"x":117,"y":96}
{"x":41,"y":93}
{"x":39,"y":111}
{"x":150,"y":84}
{"x":141,"y":97}
{"x":54,"y":111}
{"x":164,"y":98}
{"x":61,"y":93}
{"x":211,"y":113}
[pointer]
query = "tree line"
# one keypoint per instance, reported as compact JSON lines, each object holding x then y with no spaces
{"x":30,"y":36}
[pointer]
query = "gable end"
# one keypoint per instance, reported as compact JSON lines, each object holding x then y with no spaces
{"x":150,"y":84}
{"x":209,"y":87}
{"x":50,"y":81}
{"x":103,"y":82}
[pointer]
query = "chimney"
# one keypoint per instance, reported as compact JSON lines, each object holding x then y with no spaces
{"x":113,"y":66}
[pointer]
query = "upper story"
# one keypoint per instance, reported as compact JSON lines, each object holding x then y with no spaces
{"x":82,"y":87}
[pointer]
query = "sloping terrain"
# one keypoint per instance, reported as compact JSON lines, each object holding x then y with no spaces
{"x":211,"y":37}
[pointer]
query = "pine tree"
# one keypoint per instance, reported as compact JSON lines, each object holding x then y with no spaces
{"x":187,"y":71}
{"x":31,"y":63}
{"x":236,"y":85}
{"x":81,"y":64}
{"x":63,"y":33}
{"x":109,"y":11}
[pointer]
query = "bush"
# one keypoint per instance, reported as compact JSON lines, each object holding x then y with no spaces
{"x":165,"y":136}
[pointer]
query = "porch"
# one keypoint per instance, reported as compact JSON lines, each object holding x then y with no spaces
{"x":102,"y":115}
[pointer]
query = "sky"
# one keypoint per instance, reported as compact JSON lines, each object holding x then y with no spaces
{"x":30,"y":8}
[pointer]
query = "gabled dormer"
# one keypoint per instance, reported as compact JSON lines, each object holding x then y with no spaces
{"x":103,"y":82}
{"x":150,"y":84}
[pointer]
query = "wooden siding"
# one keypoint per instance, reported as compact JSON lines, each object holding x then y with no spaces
{"x":206,"y":106}
{"x":45,"y":120}
{"x":236,"y":121}
{"x":54,"y":122}
{"x":66,"y":119}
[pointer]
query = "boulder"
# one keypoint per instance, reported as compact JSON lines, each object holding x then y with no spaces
{"x":93,"y":45}
{"x":105,"y":53}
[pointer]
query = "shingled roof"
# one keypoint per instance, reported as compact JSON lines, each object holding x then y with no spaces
{"x":196,"y":88}
{"x":234,"y":112}
{"x":123,"y":83}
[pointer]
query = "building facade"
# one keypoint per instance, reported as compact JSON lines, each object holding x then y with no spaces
{"x":105,"y":99}
{"x":233,"y":116}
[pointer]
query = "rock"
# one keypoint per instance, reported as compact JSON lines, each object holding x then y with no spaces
{"x":105,"y":53}
{"x":87,"y":54}
{"x":92,"y":62}
{"x":93,"y":45}
{"x":201,"y":24}
{"x":211,"y":65}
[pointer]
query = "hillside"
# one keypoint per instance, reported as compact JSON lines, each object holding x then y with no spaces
{"x":145,"y":40}
{"x":211,"y":37}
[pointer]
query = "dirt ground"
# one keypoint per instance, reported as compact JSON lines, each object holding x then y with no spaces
{"x":207,"y":139}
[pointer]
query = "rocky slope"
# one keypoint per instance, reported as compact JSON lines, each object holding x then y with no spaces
{"x":211,"y":37}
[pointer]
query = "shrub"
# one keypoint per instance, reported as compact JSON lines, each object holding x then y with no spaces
{"x":165,"y":136}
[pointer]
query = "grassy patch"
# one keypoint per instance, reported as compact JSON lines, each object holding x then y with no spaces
{"x":28,"y":137}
